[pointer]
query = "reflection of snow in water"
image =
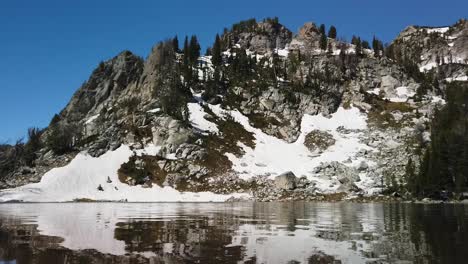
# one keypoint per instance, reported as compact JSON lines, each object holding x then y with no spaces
{"x":273,"y":233}
{"x":276,"y":244}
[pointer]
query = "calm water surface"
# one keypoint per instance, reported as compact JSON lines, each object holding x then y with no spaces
{"x":295,"y":232}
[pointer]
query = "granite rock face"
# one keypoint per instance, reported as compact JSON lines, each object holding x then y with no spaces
{"x":261,"y":38}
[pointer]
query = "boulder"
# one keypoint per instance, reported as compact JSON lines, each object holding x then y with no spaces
{"x":363,"y":166}
{"x":388,"y":84}
{"x":286,"y":181}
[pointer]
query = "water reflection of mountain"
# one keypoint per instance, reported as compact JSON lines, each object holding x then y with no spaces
{"x":233,"y":233}
{"x":23,"y":244}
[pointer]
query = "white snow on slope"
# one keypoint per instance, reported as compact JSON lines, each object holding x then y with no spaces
{"x":198,"y":120}
{"x":84,"y":174}
{"x":375,"y":91}
{"x":458,"y":78}
{"x":155,"y":110}
{"x":427,"y":66}
{"x":91,"y":119}
{"x":282,"y":52}
{"x":272,"y":156}
{"x":402,"y":94}
{"x":437,"y":30}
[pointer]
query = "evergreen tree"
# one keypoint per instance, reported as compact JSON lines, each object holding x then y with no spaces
{"x":175,"y":44}
{"x":32,"y":146}
{"x":187,"y":70}
{"x":54,"y":120}
{"x":365,"y":44}
{"x":186,"y":49}
{"x":343,"y":56}
{"x":61,"y":138}
{"x":377,"y":46}
{"x":390,"y":52}
{"x":332,"y":32}
{"x":322,"y":29}
{"x":356,"y":41}
{"x":323,"y":38}
{"x":194,"y":50}
{"x":445,"y":163}
{"x":410,"y":175}
{"x":216,"y":52}
{"x":172,"y":93}
{"x":343,"y":53}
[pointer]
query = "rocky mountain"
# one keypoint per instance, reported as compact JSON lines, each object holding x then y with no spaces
{"x":430,"y":47}
{"x":267,"y":114}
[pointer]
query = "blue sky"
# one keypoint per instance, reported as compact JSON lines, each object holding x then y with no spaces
{"x":49,"y":48}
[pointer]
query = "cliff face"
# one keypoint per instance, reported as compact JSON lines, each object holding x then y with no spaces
{"x":340,"y":121}
{"x":432,"y":47}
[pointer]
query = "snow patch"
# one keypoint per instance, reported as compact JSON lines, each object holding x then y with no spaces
{"x":85,"y":173}
{"x":402,"y":95}
{"x":282,"y":52}
{"x":437,"y":99}
{"x":428,"y":66}
{"x":155,"y":110}
{"x":91,"y":119}
{"x":375,"y":91}
{"x":277,"y":156}
{"x":458,"y":78}
{"x":441,"y":30}
{"x":197,"y":118}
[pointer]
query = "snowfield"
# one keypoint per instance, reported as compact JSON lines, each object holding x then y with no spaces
{"x":198,"y":120}
{"x":441,"y":30}
{"x":463,"y":78}
{"x":272,"y":156}
{"x":81,"y":178}
{"x":402,"y":94}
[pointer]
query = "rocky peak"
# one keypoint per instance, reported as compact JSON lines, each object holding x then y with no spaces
{"x":106,"y":81}
{"x":259,"y":37}
{"x":307,"y":40}
{"x":431,"y":47}
{"x":309,"y":31}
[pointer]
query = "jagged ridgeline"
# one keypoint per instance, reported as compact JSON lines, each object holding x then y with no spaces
{"x":265,"y":111}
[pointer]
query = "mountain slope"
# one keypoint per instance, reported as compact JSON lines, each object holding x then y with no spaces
{"x":342,"y":118}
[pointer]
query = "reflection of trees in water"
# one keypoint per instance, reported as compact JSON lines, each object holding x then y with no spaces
{"x":200,"y":239}
{"x":425,"y":233}
{"x":394,"y":231}
{"x":440,"y":232}
{"x":207,"y":239}
{"x":18,"y":241}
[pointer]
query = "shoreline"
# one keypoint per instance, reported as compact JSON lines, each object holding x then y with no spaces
{"x":373,"y":199}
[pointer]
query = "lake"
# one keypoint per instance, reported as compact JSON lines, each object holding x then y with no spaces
{"x":277,"y":232}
